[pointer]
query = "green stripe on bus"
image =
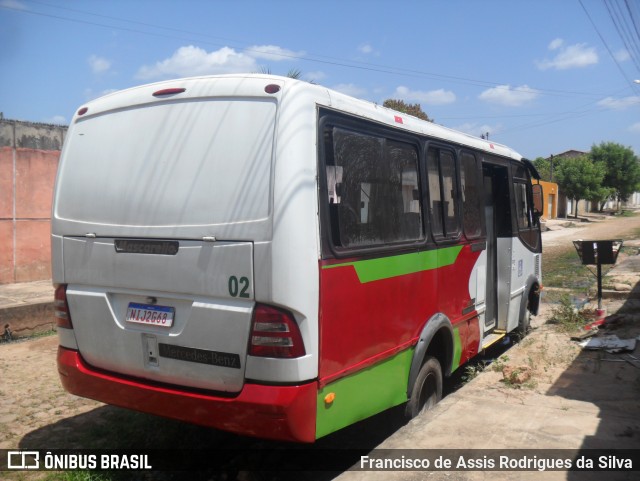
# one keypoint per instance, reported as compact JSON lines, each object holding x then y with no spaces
{"x":457,"y":350}
{"x":363,"y":394}
{"x":386,"y":267}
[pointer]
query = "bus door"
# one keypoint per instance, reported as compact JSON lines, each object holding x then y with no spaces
{"x":498,"y":228}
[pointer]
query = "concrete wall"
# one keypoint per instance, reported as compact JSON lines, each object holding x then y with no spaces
{"x":29,"y":155}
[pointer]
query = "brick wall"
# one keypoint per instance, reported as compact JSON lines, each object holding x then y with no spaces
{"x":29,"y":155}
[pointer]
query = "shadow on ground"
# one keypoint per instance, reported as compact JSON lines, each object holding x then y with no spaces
{"x":225,"y":455}
{"x":611,"y":382}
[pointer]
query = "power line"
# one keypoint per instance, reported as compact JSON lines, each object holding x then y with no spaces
{"x":187,"y":35}
{"x":322,"y":59}
{"x":624,"y":31}
{"x":606,"y":45}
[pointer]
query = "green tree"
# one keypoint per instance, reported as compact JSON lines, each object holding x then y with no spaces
{"x":410,"y":109}
{"x":543,"y":167}
{"x":601,"y":196}
{"x":579,"y":178}
{"x":547,"y":167}
{"x":622,"y":168}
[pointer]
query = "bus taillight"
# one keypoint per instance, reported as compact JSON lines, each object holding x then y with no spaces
{"x":274,"y":333}
{"x":63,"y":318}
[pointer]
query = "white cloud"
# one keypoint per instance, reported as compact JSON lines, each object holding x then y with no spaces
{"x":432,"y":97}
{"x":13,"y":4}
{"x":272,"y":52}
{"x":622,"y":55}
{"x":635,"y":128}
{"x":365,"y":48}
{"x":98,"y":64}
{"x":572,"y":56}
{"x":511,"y":97}
{"x":191,"y":61}
{"x":619,"y":104}
{"x":350,"y":89}
{"x":556,"y":44}
{"x":479,"y":129}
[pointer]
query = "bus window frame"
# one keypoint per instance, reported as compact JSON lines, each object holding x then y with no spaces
{"x":329,"y":120}
{"x":438,"y":238}
{"x":480,"y":197}
{"x":525,"y":234}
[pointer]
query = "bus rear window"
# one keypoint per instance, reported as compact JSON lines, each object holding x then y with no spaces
{"x":171,"y":164}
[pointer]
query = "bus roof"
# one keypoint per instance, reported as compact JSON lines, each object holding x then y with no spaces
{"x":207,"y":86}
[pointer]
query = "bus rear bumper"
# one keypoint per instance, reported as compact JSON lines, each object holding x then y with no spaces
{"x":274,"y":412}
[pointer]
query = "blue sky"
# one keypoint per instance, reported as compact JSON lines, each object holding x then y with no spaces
{"x":542,"y":76}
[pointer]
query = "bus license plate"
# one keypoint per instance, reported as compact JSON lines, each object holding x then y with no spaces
{"x":148,"y":314}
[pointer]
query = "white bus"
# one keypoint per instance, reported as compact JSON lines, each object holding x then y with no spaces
{"x":266,"y":256}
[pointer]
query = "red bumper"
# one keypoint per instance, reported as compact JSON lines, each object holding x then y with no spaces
{"x":275,"y":412}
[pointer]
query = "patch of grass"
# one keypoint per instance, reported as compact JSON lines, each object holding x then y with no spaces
{"x":514,"y":379}
{"x":566,"y":270}
{"x":20,"y":338}
{"x":499,"y":364}
{"x":50,"y":332}
{"x":627,"y":213}
{"x":565,"y":317}
{"x":472,"y":371}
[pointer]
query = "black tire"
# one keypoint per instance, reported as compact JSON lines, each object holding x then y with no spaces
{"x":524,"y":323}
{"x":427,"y":389}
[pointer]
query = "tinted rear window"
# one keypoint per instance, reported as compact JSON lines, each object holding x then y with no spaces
{"x":179,"y":163}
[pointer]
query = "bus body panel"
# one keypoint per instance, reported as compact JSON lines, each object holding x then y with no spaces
{"x":525,"y":264}
{"x":387,"y":302}
{"x":199,"y":269}
{"x":292,"y":272}
{"x":273,"y":412}
{"x":363,"y":393}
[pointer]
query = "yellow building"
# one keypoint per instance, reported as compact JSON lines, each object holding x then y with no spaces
{"x":550,"y":199}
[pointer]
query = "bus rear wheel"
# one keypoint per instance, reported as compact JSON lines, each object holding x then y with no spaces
{"x":427,"y":389}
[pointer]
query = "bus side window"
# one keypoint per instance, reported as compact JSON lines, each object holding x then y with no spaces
{"x":471,"y":204}
{"x":435,"y":210}
{"x":527,"y":228}
{"x":522,"y":206}
{"x":373,"y":190}
{"x":443,"y":193}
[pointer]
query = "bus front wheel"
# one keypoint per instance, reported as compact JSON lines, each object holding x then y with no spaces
{"x":427,"y":389}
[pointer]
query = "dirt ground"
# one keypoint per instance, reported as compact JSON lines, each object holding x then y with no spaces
{"x":35,"y":412}
{"x":31,"y":395}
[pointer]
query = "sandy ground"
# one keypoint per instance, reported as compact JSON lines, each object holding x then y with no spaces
{"x":31,"y":395}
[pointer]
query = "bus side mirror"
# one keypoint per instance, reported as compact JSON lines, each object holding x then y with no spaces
{"x":538,"y":205}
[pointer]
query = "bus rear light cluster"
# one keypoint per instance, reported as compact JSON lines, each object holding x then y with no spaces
{"x":171,"y":91}
{"x":62,"y":315}
{"x":274,"y":333}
